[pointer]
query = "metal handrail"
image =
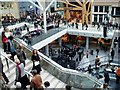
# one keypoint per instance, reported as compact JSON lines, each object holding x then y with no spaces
{"x":14,"y":64}
{"x":59,"y":67}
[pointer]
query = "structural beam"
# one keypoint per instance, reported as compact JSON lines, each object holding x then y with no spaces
{"x":35,"y":4}
{"x":49,"y":5}
{"x":45,"y":26}
{"x":40,"y":4}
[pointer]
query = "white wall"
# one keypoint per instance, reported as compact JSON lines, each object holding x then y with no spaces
{"x":13,"y":10}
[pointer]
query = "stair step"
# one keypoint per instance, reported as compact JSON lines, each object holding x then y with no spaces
{"x":49,"y":78}
{"x":60,"y":85}
{"x":54,"y":83}
{"x":44,"y":75}
{"x":5,"y":68}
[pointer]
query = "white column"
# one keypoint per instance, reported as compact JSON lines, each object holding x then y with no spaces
{"x":114,"y":11}
{"x":98,"y":14}
{"x":60,"y":42}
{"x":45,"y":26}
{"x":55,"y":4}
{"x":98,"y":18}
{"x":103,"y":18}
{"x":103,"y":8}
{"x":98,"y":8}
{"x":47,"y":50}
{"x":87,"y":43}
{"x":93,"y":13}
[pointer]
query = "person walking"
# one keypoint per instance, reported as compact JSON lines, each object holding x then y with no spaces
{"x":36,"y":61}
{"x":11,"y":47}
{"x":89,"y":69}
{"x":36,"y":81}
{"x":112,"y":54}
{"x":4,"y":41}
{"x":117,"y":75}
{"x":21,"y":54}
{"x":115,"y":42}
{"x":2,"y":81}
{"x":20,"y":75}
{"x":2,"y":72}
{"x":106,"y":77}
{"x":97,"y":61}
{"x":97,"y":51}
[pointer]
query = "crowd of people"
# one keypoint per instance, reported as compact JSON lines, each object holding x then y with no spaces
{"x":21,"y":76}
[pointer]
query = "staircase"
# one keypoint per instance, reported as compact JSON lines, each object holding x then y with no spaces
{"x":10,"y":73}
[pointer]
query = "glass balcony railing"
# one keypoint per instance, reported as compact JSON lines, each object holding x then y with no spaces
{"x":45,"y":36}
{"x":71,"y":77}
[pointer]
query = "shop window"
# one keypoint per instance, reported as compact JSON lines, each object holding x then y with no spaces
{"x":106,"y":8}
{"x":95,"y":8}
{"x":95,"y":18}
{"x":100,"y":18}
{"x":101,"y":9}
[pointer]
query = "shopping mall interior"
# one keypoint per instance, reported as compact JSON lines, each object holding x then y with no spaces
{"x":77,"y":43}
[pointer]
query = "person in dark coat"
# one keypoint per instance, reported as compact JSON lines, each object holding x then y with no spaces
{"x":97,"y":50}
{"x":90,"y":69}
{"x":2,"y":72}
{"x":21,"y":54}
{"x":112,"y":53}
{"x":36,"y":61}
{"x":115,"y":42}
{"x":106,"y":76}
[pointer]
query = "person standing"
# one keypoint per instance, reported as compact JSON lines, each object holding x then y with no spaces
{"x":36,"y":81}
{"x":87,"y":53}
{"x":72,"y":24}
{"x":36,"y":61}
{"x":76,"y":25}
{"x":106,"y":77}
{"x":112,"y":54}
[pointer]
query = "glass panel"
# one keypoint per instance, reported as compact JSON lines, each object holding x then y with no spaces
{"x":95,"y":18}
{"x":101,"y":9}
{"x":100,"y":18}
{"x":95,"y":8}
{"x":68,"y":76}
{"x":106,"y":8}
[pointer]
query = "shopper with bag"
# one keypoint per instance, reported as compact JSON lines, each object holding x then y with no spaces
{"x":36,"y":61}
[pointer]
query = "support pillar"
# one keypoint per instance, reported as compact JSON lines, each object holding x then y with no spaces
{"x":114,"y":11}
{"x":87,"y":43}
{"x":60,"y":42}
{"x":45,"y":26}
{"x":47,"y":50}
{"x":92,"y":14}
